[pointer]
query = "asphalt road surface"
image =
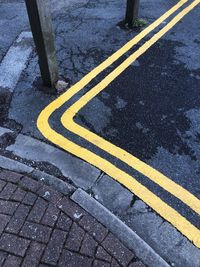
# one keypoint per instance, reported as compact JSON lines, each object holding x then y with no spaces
{"x":143,"y":118}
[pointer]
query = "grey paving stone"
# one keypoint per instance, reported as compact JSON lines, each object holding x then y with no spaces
{"x":33,"y":254}
{"x":4,"y":219}
{"x":8,"y":207}
{"x":97,"y":230}
{"x":50,"y":194}
{"x":12,"y":261}
{"x":18,"y":195}
{"x":29,"y":198}
{"x":98,"y":263}
{"x":13,"y":244}
{"x":29,"y":184}
{"x":112,"y":195}
{"x":54,"y":247}
{"x":102,"y":254}
{"x":114,"y":263}
{"x":36,"y":232}
{"x":88,"y":246}
{"x":80,"y":172}
{"x":18,"y":219}
{"x":70,"y":259}
{"x":13,"y":165}
{"x":7,"y":192}
{"x":3,"y":256}
{"x":116,"y":249}
{"x":73,"y":210}
{"x":38,"y":210}
{"x":51,"y":215}
{"x":64,"y":222}
{"x":75,"y":238}
{"x":2,"y":184}
{"x":10,"y":176}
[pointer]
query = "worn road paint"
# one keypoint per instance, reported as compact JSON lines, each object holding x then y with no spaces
{"x":132,"y":184}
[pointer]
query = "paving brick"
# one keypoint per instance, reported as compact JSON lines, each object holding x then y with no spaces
{"x":71,"y":209}
{"x":50,"y":194}
{"x":18,"y":219}
{"x":7,"y":192}
{"x":14,"y":244}
{"x":18,"y":195}
{"x":8,"y":207}
{"x":45,"y":229}
{"x":4,"y":219}
{"x":88,"y":246}
{"x":137,"y":264}
{"x":75,"y":238}
{"x":10,"y":176}
{"x":2,"y":184}
{"x":64,"y":222}
{"x":29,"y":198}
{"x":98,"y":263}
{"x":36,"y":232}
{"x":33,"y":254}
{"x":102,"y":254}
{"x":22,"y":211}
{"x":54,"y":247}
{"x":15,"y":225}
{"x":51,"y":215}
{"x":91,"y":225}
{"x":29,"y":184}
{"x":3,"y":256}
{"x":114,"y":263}
{"x":117,"y":250}
{"x":70,"y":259}
{"x":12,"y":261}
{"x":38,"y":210}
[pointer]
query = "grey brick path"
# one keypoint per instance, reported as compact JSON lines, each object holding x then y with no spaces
{"x":41,"y":227}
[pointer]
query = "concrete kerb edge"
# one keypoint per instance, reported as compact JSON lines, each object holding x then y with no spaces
{"x":127,"y":236}
{"x":15,"y":166}
{"x":63,"y":187}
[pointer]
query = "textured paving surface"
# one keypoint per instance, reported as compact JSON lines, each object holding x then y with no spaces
{"x":41,"y":227}
{"x":94,"y":23}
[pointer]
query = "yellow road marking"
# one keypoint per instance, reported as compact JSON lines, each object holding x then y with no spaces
{"x":132,"y":184}
{"x":157,"y":177}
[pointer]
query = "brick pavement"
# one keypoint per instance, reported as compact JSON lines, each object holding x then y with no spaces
{"x":41,"y":227}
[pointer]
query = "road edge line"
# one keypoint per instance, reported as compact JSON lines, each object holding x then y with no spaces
{"x":125,"y":234}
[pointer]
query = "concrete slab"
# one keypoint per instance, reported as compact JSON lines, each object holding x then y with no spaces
{"x":15,"y":61}
{"x":79,"y":172}
{"x":116,"y":197}
{"x":162,"y":237}
{"x":12,"y":165}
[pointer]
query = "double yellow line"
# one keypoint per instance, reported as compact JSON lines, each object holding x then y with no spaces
{"x":128,"y":181}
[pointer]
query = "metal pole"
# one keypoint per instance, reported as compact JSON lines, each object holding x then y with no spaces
{"x":41,"y":25}
{"x":132,"y":10}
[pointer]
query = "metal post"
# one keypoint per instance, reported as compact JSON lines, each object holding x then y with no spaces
{"x":41,"y":25}
{"x":132,"y":10}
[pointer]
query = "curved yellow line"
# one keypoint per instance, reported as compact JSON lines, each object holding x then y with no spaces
{"x":157,"y":177}
{"x":141,"y":191}
{"x":130,"y":182}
